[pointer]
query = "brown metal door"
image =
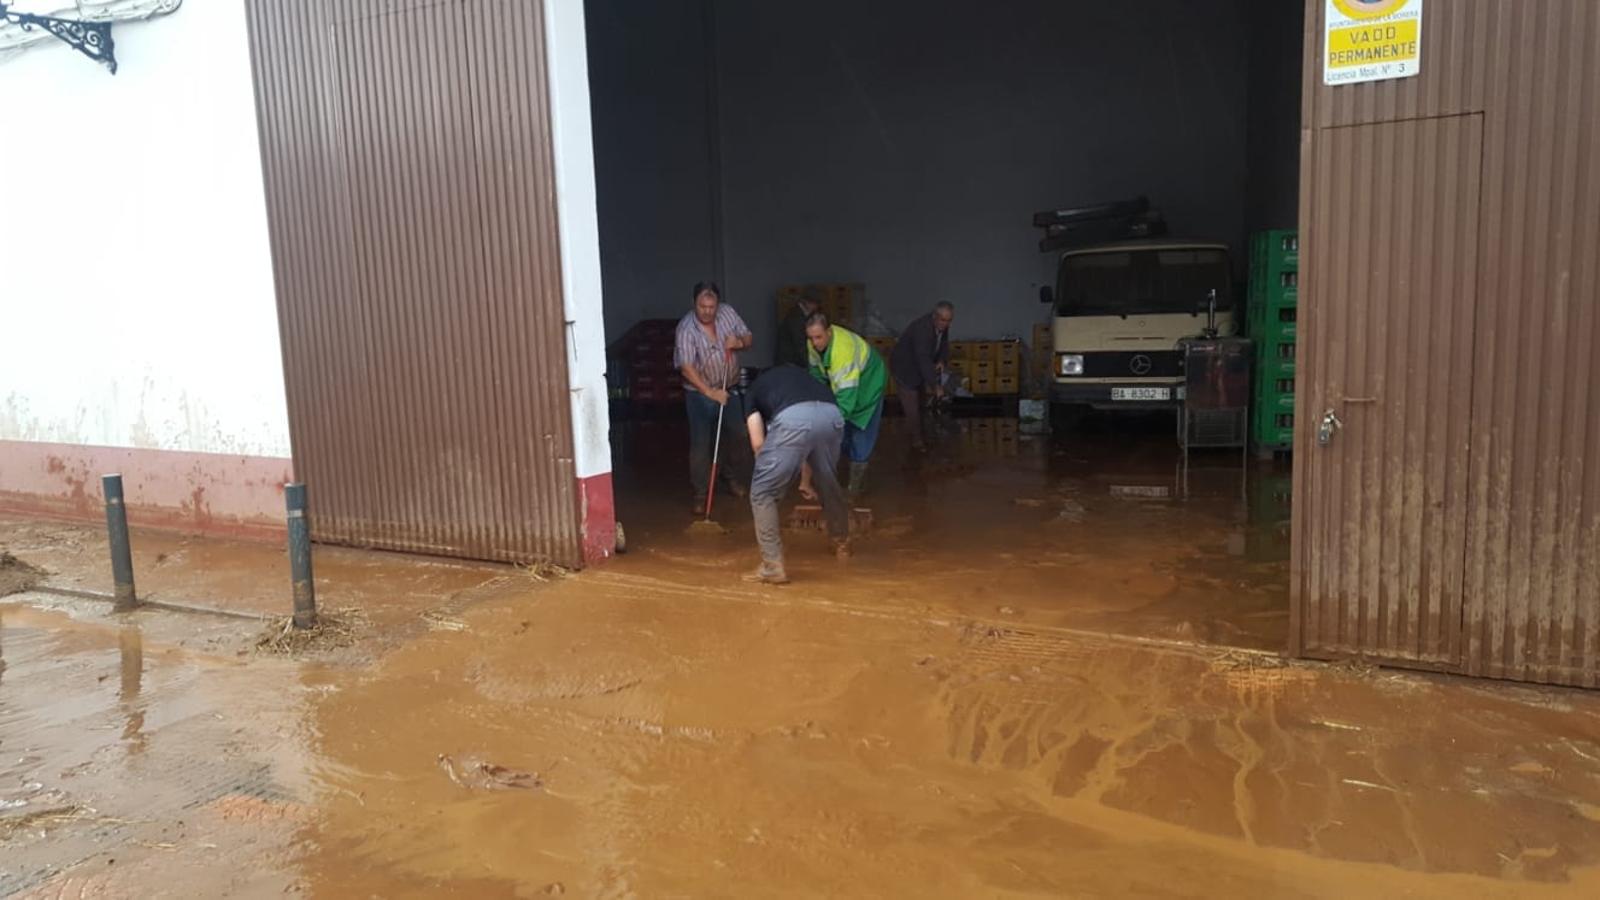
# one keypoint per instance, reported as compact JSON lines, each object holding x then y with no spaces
{"x":411,"y":202}
{"x":1390,"y":274}
{"x":1533,"y":541}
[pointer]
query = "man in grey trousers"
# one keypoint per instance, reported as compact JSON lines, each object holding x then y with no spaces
{"x":793,"y":419}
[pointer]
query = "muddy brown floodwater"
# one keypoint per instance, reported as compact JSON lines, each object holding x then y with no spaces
{"x":1106,"y":530}
{"x":711,"y":743}
{"x":1063,"y":697}
{"x":141,"y":756}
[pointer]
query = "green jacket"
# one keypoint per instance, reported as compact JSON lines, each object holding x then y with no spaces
{"x":854,"y":371}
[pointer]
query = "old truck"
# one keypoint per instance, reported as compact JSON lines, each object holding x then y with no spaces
{"x":1122,"y":306}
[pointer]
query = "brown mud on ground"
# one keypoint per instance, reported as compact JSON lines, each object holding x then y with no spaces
{"x":131,"y":766}
{"x":730,"y":743}
{"x":335,"y":629}
{"x":15,"y":575}
{"x":1105,"y":531}
{"x":1040,"y":677}
{"x":619,"y":735}
{"x":242,"y":576}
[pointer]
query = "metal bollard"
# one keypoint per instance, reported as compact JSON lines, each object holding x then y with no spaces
{"x":305,"y":591}
{"x":121,"y":550}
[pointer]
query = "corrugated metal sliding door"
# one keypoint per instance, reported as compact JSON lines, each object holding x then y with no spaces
{"x":1533,"y":546}
{"x":410,"y":189}
{"x":1391,"y":273}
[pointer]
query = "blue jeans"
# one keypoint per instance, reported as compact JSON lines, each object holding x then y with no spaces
{"x":858,"y":442}
{"x":734,"y":456}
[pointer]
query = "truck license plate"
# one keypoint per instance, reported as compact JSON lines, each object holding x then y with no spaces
{"x":1141,"y":393}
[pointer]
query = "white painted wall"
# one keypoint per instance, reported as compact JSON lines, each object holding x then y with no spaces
{"x":580,"y":235}
{"x":136,"y":295}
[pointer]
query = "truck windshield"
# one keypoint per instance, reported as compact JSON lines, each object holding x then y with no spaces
{"x":1135,"y":282}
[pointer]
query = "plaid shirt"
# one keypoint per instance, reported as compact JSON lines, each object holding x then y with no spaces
{"x":710,"y":358}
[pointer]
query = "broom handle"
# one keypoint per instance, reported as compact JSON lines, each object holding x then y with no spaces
{"x":716,"y":453}
{"x":716,"y":442}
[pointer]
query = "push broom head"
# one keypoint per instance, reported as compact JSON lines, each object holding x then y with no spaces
{"x":705,"y":528}
{"x":808,"y":517}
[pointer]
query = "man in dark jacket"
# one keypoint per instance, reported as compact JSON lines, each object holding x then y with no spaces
{"x":792,"y":348}
{"x":920,"y":359}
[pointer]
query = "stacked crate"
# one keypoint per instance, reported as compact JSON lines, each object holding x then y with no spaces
{"x":843,"y":303}
{"x":884,"y":345}
{"x":980,"y":357}
{"x":641,"y":366}
{"x":991,"y":368}
{"x":1008,"y":367}
{"x":991,"y":437}
{"x":959,"y":366}
{"x":1273,"y":309}
{"x":1042,"y":363}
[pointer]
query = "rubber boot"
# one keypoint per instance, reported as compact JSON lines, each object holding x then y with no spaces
{"x":858,"y":479}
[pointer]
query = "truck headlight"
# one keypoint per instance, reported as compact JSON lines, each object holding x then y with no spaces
{"x":1071,"y":364}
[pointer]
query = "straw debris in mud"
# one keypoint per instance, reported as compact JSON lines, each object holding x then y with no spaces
{"x":17,"y":576}
{"x":335,"y":630}
{"x":544,"y":571}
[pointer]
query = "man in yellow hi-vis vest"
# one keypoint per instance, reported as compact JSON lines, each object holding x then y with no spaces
{"x":858,"y":377}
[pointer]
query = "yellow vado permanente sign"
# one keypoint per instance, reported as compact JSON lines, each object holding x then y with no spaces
{"x":1371,"y":40}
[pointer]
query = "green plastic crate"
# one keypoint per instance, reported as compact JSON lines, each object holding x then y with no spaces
{"x":1276,"y":296}
{"x":1276,"y":350}
{"x":1265,"y":316}
{"x":1276,"y":245}
{"x":1272,"y":274}
{"x":1274,"y":402}
{"x":1274,"y":281}
{"x":1272,"y":320}
{"x":1272,"y":429}
{"x":1270,"y":369}
{"x":1273,"y":384}
{"x":1274,"y":332}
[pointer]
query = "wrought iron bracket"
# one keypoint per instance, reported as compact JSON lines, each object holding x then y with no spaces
{"x":92,"y":39}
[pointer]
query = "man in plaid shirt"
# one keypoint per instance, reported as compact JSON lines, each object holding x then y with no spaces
{"x":708,"y":340}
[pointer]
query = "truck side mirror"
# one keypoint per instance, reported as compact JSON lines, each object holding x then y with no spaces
{"x":1046,"y":294}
